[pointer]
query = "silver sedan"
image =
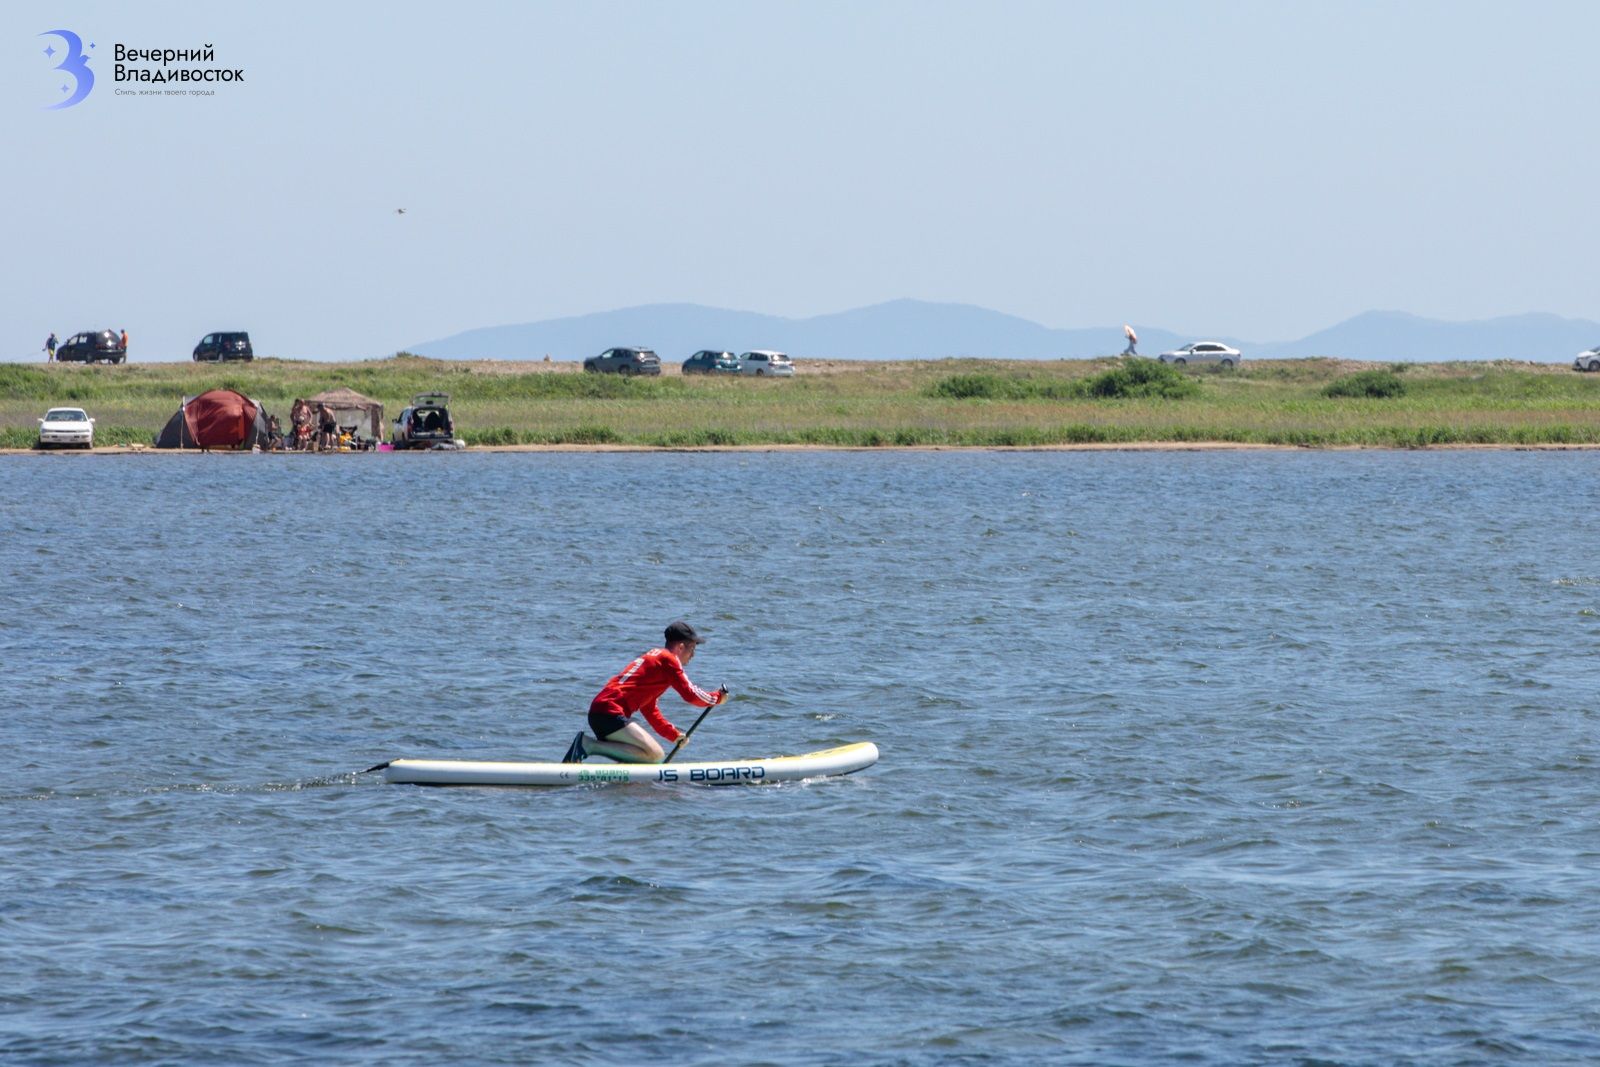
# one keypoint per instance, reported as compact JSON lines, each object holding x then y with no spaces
{"x":1202,"y":352}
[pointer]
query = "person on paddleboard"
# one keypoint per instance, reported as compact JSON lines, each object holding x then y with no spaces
{"x":637,"y":688}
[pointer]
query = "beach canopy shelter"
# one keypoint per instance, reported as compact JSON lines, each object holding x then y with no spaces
{"x":350,"y":408}
{"x":220,"y":418}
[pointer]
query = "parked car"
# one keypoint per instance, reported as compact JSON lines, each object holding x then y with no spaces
{"x":216,"y":347}
{"x":706,"y":361}
{"x":624,"y":361}
{"x":1202,"y":352}
{"x":92,"y":346}
{"x":425,"y":423}
{"x":764,"y":361}
{"x":66,"y":426}
{"x":1589,"y":360}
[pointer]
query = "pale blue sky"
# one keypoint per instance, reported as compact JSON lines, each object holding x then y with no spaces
{"x":1255,"y":170}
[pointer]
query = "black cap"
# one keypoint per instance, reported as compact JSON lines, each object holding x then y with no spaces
{"x":682,"y":631}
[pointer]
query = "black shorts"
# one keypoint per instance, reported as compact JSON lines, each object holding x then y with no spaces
{"x":605,"y":720}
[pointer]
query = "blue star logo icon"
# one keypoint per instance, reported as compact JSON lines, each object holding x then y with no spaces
{"x":74,"y":63}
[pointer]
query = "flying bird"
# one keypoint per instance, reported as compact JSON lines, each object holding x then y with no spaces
{"x":399,"y":211}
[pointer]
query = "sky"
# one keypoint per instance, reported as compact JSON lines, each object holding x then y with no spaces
{"x":1253,"y":170}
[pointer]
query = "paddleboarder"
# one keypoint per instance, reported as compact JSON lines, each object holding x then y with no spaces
{"x":637,"y":688}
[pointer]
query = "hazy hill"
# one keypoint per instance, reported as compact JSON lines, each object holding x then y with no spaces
{"x":916,"y":329}
{"x":1395,"y":335}
{"x":900,"y":329}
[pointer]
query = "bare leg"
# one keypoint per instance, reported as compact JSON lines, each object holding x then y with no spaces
{"x":631,"y":744}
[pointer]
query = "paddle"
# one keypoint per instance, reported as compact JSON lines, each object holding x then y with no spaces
{"x":684,"y":740}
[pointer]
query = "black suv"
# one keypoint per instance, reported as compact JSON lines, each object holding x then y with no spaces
{"x":215,"y":347}
{"x":624,"y":361}
{"x":92,"y":346}
{"x":425,"y":423}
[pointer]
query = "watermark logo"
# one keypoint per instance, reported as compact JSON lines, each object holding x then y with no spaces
{"x":146,"y":72}
{"x":75,"y":63}
{"x":171,"y":66}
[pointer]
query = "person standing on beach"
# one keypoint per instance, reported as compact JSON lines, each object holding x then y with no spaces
{"x":637,"y":688}
{"x":1133,"y":341}
{"x":50,"y":348}
{"x":328,"y":438}
{"x":300,"y":425}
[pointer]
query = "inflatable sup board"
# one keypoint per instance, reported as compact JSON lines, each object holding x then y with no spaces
{"x":843,"y":760}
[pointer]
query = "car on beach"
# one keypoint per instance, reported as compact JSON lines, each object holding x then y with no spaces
{"x":92,"y":346}
{"x":217,"y":347}
{"x":1202,"y":352}
{"x":764,"y":361}
{"x":66,"y":426}
{"x":624,"y":361}
{"x":425,"y":424}
{"x":707,"y":361}
{"x":1589,"y":360}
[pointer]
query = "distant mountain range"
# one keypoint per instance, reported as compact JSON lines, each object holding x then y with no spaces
{"x":916,"y":329}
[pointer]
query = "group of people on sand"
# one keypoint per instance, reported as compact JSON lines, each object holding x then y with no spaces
{"x":313,"y":428}
{"x":637,"y":688}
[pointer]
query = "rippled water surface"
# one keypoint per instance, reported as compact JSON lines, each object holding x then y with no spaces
{"x":1187,"y":757}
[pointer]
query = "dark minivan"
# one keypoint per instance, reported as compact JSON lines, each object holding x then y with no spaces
{"x":216,"y":347}
{"x":92,"y":346}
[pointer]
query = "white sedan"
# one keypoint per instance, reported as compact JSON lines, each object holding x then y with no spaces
{"x":1589,"y":360}
{"x":764,"y":361}
{"x":66,"y":426}
{"x":1202,"y":352}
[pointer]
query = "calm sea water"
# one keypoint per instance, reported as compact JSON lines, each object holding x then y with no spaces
{"x":1203,"y":758}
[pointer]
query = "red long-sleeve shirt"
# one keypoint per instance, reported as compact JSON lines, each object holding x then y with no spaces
{"x":642,"y":682}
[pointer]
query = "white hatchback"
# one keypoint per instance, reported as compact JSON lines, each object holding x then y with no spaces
{"x":66,"y":426}
{"x":764,"y":361}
